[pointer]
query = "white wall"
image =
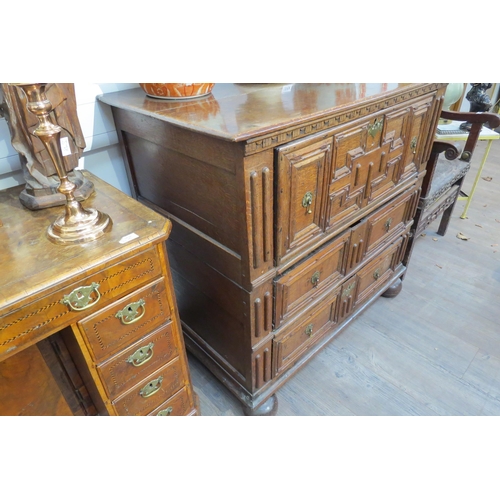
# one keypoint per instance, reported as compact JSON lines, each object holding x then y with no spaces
{"x":102,"y":155}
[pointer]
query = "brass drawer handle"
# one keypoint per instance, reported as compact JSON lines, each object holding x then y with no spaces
{"x":309,"y":329}
{"x":388,"y":223}
{"x":376,"y":274}
{"x":129,"y":314}
{"x":307,"y":201}
{"x":142,"y":355}
{"x":315,"y":278}
{"x":151,"y":388}
{"x":165,"y":413}
{"x":81,"y":298}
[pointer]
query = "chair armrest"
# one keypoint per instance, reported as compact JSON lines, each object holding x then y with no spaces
{"x":460,"y":116}
{"x":476,"y":120}
{"x":450,"y":150}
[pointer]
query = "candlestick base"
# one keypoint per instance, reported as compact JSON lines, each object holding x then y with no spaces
{"x":87,"y":226}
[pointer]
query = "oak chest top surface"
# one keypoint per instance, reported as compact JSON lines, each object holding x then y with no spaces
{"x":30,"y":262}
{"x":238,"y":112}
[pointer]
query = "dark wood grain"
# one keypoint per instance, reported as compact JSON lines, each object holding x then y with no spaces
{"x":261,"y":179}
{"x":442,"y":357}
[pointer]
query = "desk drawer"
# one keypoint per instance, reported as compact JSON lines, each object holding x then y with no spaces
{"x":127,"y":320}
{"x":127,"y":368}
{"x":178,"y":405}
{"x":152,"y":391}
{"x":76,"y":301}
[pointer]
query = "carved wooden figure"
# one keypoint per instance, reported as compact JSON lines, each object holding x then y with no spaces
{"x":38,"y":170}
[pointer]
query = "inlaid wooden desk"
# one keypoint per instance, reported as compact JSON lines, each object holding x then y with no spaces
{"x":93,"y":328}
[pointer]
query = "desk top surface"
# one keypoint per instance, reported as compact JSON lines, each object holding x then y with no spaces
{"x":31,"y":263}
{"x":238,"y":112}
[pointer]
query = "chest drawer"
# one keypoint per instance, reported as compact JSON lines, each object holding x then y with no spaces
{"x":291,"y":343}
{"x":328,"y":181}
{"x":77,"y":300}
{"x":152,"y":391}
{"x":389,"y":220}
{"x":376,"y":273}
{"x":124,"y":370}
{"x":305,"y":282}
{"x":126,"y":320}
{"x":378,"y":229}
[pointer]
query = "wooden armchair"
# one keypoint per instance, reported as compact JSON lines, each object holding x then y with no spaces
{"x":445,"y":172}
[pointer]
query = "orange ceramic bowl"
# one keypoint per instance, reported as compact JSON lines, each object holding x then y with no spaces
{"x":177,"y":90}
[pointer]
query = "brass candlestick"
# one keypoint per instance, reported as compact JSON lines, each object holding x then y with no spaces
{"x":77,"y":225}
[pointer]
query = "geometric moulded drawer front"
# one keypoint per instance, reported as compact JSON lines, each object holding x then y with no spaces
{"x":300,"y":335}
{"x":389,"y":220}
{"x":302,"y":284}
{"x":380,"y":270}
{"x":300,"y":210}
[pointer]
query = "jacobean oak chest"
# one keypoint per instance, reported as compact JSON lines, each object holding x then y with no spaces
{"x":291,"y":208}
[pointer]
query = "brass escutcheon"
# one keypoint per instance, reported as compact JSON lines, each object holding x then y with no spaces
{"x":413,"y":145}
{"x":165,"y":413}
{"x":129,"y":313}
{"x":307,"y":201}
{"x":315,"y":278}
{"x":375,"y":127}
{"x":388,"y":223}
{"x":79,"y":299}
{"x":309,"y":329}
{"x":348,"y":289}
{"x":376,"y":274}
{"x":142,"y":355}
{"x":151,"y":388}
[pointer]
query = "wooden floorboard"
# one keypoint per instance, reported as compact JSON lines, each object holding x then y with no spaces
{"x":441,"y":357}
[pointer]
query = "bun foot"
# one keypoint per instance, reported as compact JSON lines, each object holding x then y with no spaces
{"x":268,"y":409}
{"x":394,"y":289}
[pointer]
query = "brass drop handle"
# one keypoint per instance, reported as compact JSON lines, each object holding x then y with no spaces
{"x":165,"y":413}
{"x":388,"y":223}
{"x":309,"y":329}
{"x":142,"y":355}
{"x":130,"y":314}
{"x":307,"y":201}
{"x":151,"y":388}
{"x":315,"y":278}
{"x":413,"y":145}
{"x":82,"y":297}
{"x":376,"y":274}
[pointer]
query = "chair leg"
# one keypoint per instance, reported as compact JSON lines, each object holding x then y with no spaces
{"x":445,"y":219}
